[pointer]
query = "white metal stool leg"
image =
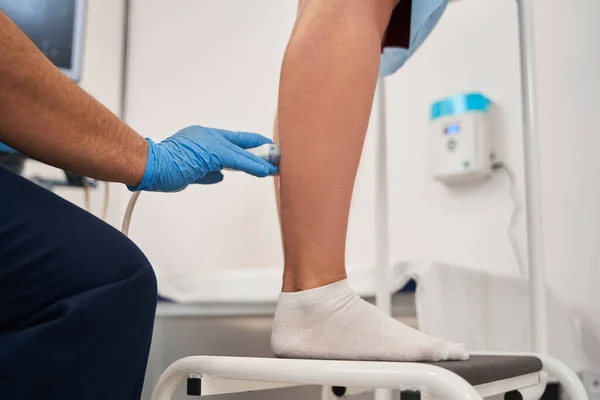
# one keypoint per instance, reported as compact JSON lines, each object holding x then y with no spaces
{"x":569,"y":381}
{"x":235,"y":374}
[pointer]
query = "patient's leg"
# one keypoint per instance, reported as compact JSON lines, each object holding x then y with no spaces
{"x":328,"y":81}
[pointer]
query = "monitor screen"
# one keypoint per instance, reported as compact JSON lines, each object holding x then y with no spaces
{"x":55,"y":26}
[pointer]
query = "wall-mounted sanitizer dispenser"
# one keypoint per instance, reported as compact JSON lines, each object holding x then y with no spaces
{"x":460,"y":138}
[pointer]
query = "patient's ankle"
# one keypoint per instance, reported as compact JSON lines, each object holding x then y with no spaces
{"x":296,"y":283}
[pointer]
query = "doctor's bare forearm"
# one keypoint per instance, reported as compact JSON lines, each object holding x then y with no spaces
{"x":46,"y":116}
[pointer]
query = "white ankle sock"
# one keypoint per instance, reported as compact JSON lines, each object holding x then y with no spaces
{"x":333,"y":322}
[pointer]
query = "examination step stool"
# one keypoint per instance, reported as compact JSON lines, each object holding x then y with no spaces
{"x":521,"y":375}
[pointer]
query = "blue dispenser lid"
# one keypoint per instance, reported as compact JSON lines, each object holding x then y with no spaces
{"x":460,"y":104}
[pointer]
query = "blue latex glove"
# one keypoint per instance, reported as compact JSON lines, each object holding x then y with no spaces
{"x":197,"y":155}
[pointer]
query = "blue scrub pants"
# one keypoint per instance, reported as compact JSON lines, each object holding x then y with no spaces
{"x":77,"y":301}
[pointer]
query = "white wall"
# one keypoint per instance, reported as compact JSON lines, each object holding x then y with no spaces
{"x":430,"y":221}
{"x":101,"y":77}
{"x":468,"y":227}
{"x":216,"y":62}
{"x":103,"y":57}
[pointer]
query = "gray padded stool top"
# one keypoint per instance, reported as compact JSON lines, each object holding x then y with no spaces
{"x":485,"y":369}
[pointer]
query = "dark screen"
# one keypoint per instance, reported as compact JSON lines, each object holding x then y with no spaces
{"x":48,"y":23}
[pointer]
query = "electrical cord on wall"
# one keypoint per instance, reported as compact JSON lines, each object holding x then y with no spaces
{"x":106,"y":201}
{"x":87,"y":197}
{"x":514,"y":215}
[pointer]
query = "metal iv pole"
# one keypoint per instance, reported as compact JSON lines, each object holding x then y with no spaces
{"x":533,"y":180}
{"x":383,"y":297}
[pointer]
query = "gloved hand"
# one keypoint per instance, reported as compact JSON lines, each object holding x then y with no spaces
{"x":197,"y":155}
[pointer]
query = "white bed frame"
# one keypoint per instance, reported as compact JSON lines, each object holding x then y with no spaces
{"x":220,"y":375}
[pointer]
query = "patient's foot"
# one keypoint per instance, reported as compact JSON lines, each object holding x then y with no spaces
{"x":333,"y":322}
